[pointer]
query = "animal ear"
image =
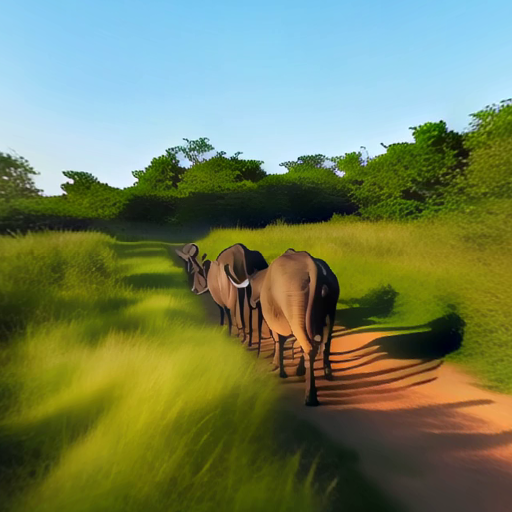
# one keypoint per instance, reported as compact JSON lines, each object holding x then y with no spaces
{"x":181,"y":254}
{"x":206,"y":266}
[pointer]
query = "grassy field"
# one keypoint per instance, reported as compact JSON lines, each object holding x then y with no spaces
{"x":116,"y":395}
{"x":462,"y":262}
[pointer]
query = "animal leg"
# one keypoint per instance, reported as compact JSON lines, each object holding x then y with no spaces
{"x":250,"y":327}
{"x":275,"y":360}
{"x":326,"y":338}
{"x":221,"y":315}
{"x":311,"y":398}
{"x":301,"y":369}
{"x":260,"y":323}
{"x":282,"y":341}
{"x":248,"y":292}
{"x":230,"y":322}
{"x":241,"y":296}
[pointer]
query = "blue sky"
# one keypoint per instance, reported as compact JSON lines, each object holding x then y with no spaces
{"x":105,"y":86}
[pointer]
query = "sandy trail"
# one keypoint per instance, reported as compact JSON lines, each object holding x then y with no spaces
{"x":424,"y":432}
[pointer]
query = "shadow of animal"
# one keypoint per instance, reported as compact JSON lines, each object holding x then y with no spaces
{"x":378,"y":302}
{"x":387,"y":365}
{"x":441,"y":337}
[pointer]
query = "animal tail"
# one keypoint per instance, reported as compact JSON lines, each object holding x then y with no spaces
{"x":313,"y":277}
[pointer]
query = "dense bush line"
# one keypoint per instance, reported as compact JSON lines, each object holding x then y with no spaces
{"x":441,"y":170}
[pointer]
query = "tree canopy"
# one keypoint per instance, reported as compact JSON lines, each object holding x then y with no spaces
{"x":16,"y":178}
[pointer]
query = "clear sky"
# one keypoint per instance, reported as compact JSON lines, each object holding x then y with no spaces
{"x":104,"y":86}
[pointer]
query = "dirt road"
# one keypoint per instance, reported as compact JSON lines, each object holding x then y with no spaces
{"x":424,"y":432}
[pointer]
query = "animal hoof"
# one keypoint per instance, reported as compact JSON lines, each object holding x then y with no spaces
{"x":312,"y":401}
{"x":301,"y":371}
{"x":283,"y":375}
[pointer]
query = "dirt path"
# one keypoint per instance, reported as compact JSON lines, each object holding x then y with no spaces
{"x":425,"y":433}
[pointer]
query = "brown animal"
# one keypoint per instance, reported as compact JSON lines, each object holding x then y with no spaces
{"x":188,"y":251}
{"x":242,"y":263}
{"x":298,"y":296}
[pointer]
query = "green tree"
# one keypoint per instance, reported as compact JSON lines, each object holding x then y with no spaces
{"x":220,"y":174}
{"x":489,"y":139}
{"x":309,"y":163}
{"x":16,"y":180}
{"x":86,"y":196}
{"x":81,"y":182}
{"x":410,"y":177}
{"x":194,"y":151}
{"x":163,"y":174}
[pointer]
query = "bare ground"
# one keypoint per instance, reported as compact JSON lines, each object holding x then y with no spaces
{"x":425,"y":433}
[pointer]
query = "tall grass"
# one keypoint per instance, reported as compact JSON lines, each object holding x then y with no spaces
{"x":463,"y":261}
{"x":115,"y":395}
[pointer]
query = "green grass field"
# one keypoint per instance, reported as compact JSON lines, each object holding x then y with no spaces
{"x":463,"y":261}
{"x":117,"y":395}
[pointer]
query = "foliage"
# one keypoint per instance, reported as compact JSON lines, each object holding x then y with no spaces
{"x":221,"y":174}
{"x":147,"y":206}
{"x":82,"y":182}
{"x":194,"y":151}
{"x":440,"y":171}
{"x":410,"y":177}
{"x":489,"y":173}
{"x":291,"y":197}
{"x":309,"y":163}
{"x":16,"y":178}
{"x":163,"y":174}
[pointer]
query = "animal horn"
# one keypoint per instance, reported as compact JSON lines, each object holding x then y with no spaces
{"x":245,"y":284}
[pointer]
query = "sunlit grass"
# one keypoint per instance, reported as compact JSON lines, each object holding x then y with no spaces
{"x":116,"y":395}
{"x":464,"y":261}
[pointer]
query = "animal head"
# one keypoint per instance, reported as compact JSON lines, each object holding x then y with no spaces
{"x":200,"y":275}
{"x":186,"y":253}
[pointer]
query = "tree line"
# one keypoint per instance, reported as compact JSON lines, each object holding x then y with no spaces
{"x":441,"y":170}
